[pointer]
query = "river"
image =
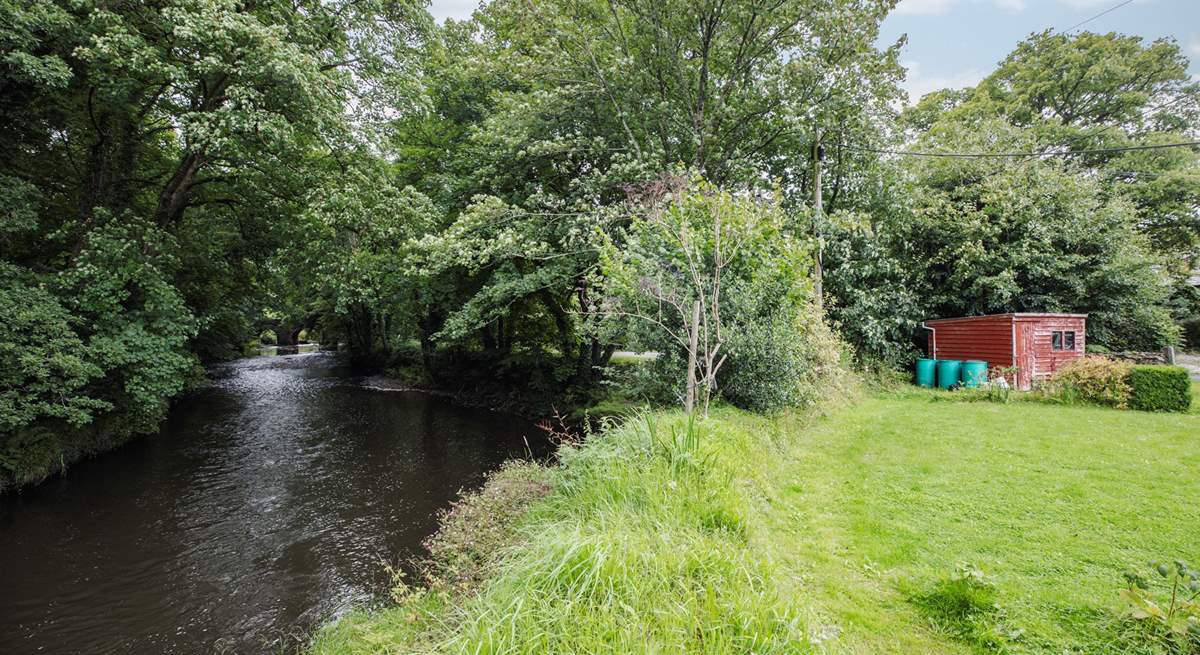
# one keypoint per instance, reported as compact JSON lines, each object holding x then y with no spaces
{"x":269,"y":503}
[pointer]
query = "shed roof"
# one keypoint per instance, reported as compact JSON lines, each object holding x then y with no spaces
{"x":1009,"y":315}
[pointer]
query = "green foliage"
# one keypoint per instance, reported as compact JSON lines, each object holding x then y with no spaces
{"x":1160,"y":389}
{"x":107,"y":336}
{"x":44,"y":366}
{"x":28,"y":454}
{"x":784,"y":361}
{"x":873,"y":305}
{"x":1106,"y":234}
{"x":1035,"y":236}
{"x":1090,"y":91}
{"x":360,"y":233}
{"x":155,"y":159}
{"x":137,"y":326}
{"x":717,"y":87}
{"x":543,"y":115}
{"x":1094,"y":380}
{"x":760,"y":340}
{"x":1165,"y":615}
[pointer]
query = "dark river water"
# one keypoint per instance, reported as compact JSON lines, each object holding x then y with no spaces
{"x":268,"y":504}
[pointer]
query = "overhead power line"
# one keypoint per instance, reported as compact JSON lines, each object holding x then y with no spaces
{"x":985,"y":155}
{"x":1106,"y":11}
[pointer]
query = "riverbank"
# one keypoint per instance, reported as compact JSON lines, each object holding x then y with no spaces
{"x":833,"y":534}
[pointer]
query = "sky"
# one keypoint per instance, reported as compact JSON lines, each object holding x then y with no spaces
{"x":955,"y":43}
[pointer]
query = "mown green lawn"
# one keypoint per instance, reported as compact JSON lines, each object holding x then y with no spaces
{"x":822,"y":535}
{"x":1053,"y":503}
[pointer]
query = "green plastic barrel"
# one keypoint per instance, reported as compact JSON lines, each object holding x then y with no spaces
{"x":974,"y":373}
{"x":925,"y":372}
{"x":948,"y":371}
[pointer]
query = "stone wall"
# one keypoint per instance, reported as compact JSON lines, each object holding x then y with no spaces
{"x":1164,"y":356}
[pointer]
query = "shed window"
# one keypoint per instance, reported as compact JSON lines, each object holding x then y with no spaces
{"x":1060,"y":340}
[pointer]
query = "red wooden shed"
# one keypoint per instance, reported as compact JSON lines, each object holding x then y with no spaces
{"x":1037,"y":344}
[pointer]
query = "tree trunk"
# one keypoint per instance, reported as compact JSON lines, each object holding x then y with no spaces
{"x":174,"y":196}
{"x":689,"y":399}
{"x":487,"y":339}
{"x":428,"y":326}
{"x":566,"y":336}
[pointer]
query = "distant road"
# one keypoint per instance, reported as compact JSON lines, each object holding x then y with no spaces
{"x":1191,"y":363}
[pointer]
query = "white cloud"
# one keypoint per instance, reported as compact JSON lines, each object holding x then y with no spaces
{"x":924,"y":7}
{"x":1193,"y":46}
{"x":456,"y":9}
{"x":917,"y":84}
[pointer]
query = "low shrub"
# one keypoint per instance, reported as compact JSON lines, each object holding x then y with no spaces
{"x":479,"y":525}
{"x":1160,"y":389}
{"x":782,"y":361}
{"x":1166,"y":616}
{"x":1092,"y":379}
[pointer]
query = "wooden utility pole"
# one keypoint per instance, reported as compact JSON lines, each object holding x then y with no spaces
{"x":818,"y":154}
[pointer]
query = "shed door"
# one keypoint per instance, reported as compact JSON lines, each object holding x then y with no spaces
{"x":1027,"y":364}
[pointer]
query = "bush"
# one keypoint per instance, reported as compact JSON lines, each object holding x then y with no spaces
{"x":1093,"y":379}
{"x":1164,"y":617}
{"x":482,"y":523}
{"x":783,"y":361}
{"x":44,"y":365}
{"x":1160,"y":389}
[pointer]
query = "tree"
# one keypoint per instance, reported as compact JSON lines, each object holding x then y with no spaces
{"x":1034,"y":235}
{"x":874,"y":304}
{"x":1086,"y":92}
{"x":1020,"y":229}
{"x":552,"y":109}
{"x":358,"y":230}
{"x":154,"y":153}
{"x":718,"y":278}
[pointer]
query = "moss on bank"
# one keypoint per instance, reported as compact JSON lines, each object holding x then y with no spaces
{"x":38,"y":452}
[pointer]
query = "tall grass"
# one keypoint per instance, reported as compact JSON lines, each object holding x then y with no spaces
{"x":641,"y":548}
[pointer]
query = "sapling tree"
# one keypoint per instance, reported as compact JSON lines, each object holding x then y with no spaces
{"x":701,"y":267}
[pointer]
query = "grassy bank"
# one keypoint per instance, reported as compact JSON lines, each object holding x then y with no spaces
{"x":1053,"y":503}
{"x":749,"y":534}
